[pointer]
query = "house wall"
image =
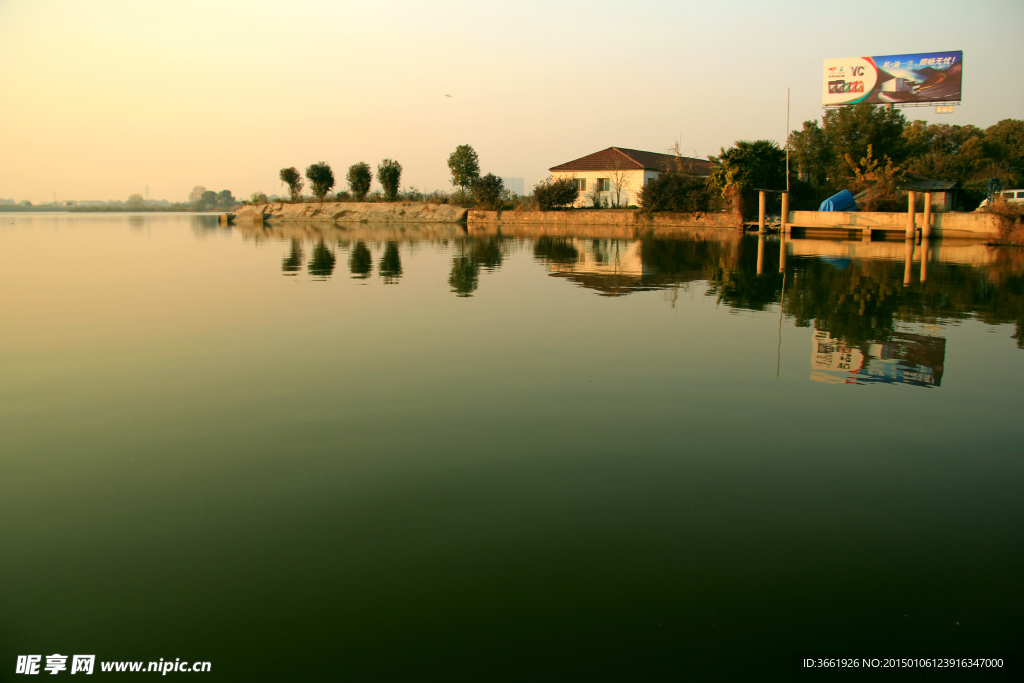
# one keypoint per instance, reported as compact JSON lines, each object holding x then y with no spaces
{"x":634,"y":181}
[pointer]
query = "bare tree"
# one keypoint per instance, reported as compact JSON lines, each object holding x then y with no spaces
{"x":618,"y":178}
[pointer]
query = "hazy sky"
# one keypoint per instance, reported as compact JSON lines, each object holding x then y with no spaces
{"x":100,"y":99}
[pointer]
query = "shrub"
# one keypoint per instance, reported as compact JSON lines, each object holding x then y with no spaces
{"x":1011,"y":220}
{"x":291,"y":178}
{"x":321,"y":179}
{"x":359,"y":178}
{"x":259,"y":198}
{"x":678,"y":192}
{"x":389,"y":175}
{"x":551,"y":193}
{"x":489,"y":191}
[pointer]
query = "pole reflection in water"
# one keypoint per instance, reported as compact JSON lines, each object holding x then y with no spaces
{"x":909,"y":262}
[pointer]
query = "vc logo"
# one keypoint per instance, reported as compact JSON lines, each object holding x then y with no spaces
{"x":858,"y":71}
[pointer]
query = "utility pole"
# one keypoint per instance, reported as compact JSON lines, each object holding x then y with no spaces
{"x":787,"y":143}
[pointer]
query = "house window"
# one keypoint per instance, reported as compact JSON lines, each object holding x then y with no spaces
{"x":580,"y":183}
{"x":603,"y":184}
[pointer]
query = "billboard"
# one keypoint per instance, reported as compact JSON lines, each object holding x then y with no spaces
{"x":895,"y":79}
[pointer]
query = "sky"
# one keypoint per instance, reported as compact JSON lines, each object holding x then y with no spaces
{"x":102,"y":99}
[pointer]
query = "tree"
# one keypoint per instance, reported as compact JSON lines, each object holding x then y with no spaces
{"x":678,"y":192}
{"x":136,"y":201}
{"x":746,"y":167}
{"x":258,"y":198}
{"x":551,"y":193}
{"x":359,"y":178}
{"x":208,"y":200}
{"x":321,"y":179}
{"x":196,"y":194}
{"x":618,"y":179}
{"x":1005,"y":144}
{"x":820,"y":152}
{"x":879,"y":180}
{"x":489,"y":191}
{"x":465,"y":166}
{"x":389,"y":175}
{"x":225,"y":199}
{"x":291,"y":178}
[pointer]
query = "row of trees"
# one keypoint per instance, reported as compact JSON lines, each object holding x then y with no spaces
{"x":859,"y":148}
{"x":201,"y":198}
{"x":359,"y":177}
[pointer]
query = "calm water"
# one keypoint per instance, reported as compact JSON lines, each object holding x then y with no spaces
{"x":413,"y":455}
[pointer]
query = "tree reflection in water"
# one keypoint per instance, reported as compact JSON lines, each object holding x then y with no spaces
{"x":856,"y":300}
{"x":292,"y":263}
{"x":360,"y":262}
{"x":390,"y":266}
{"x":465,"y":275}
{"x":321,"y":261}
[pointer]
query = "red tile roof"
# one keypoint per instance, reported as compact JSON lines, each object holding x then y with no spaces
{"x":619,"y":158}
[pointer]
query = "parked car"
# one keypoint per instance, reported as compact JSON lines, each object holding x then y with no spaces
{"x":1010,"y":196}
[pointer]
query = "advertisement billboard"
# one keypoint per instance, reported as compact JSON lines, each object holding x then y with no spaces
{"x":894,"y":79}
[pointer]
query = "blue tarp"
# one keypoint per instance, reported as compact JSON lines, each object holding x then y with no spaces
{"x":839,"y":202}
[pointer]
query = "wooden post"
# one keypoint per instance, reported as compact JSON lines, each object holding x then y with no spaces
{"x":911,"y":228}
{"x":926,"y":227}
{"x":782,"y":253}
{"x":760,"y":212}
{"x":785,"y":214}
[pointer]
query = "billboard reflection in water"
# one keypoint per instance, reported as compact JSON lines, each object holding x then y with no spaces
{"x":926,"y":77}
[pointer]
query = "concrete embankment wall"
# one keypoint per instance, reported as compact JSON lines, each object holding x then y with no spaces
{"x":352,"y":212}
{"x":976,"y":225}
{"x":352,"y":232}
{"x":606,"y":223}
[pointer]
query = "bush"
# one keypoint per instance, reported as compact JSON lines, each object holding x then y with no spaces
{"x":1011,"y":220}
{"x":321,"y":179}
{"x":551,"y":193}
{"x":489,"y":191}
{"x":259,"y":198}
{"x":389,"y":175}
{"x":359,"y":178}
{"x":679,"y":192}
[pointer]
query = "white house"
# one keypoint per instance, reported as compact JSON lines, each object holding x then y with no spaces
{"x":615,"y":175}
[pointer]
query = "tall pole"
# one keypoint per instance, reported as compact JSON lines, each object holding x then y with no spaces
{"x":787,"y":142}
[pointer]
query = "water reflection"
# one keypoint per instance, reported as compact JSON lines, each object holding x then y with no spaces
{"x":858,"y":293}
{"x":390,"y":266}
{"x":903,"y":359}
{"x":465,"y":275}
{"x":360,"y":262}
{"x":321,"y":262}
{"x":292,"y":263}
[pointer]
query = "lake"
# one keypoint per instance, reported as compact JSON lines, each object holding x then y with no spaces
{"x":380,"y":453}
